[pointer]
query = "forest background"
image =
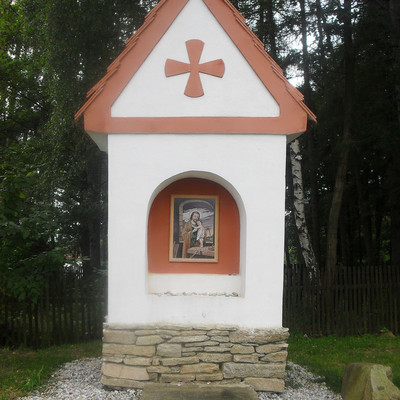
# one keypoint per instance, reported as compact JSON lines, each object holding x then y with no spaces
{"x":343,"y":175}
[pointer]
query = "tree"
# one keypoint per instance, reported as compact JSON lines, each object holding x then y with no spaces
{"x":340,"y":180}
{"x":394,"y":12}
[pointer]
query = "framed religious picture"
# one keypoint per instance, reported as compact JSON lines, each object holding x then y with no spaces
{"x":194,"y":228}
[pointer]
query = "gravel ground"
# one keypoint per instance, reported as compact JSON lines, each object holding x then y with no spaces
{"x":80,"y":380}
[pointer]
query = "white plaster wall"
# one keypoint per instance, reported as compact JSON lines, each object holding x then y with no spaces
{"x":151,"y":94}
{"x":255,"y":166}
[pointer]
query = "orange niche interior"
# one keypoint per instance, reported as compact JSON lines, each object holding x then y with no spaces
{"x":159,"y":230}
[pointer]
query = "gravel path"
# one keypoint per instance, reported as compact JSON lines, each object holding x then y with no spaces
{"x":80,"y":380}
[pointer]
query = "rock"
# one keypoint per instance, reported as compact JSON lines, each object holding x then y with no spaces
{"x":174,"y":378}
{"x":179,"y":361}
{"x":163,"y":370}
{"x":203,"y":368}
{"x":266,"y":384}
{"x":137,"y":360}
{"x":144,"y":332}
{"x":239,"y":349}
{"x":125,"y":349}
{"x":275,"y":357}
{"x":189,"y":339}
{"x":236,"y":370}
{"x":148,"y":340}
{"x":191,"y":349}
{"x":202,"y":344}
{"x":200,"y":392}
{"x":117,"y":360}
{"x":121,"y":337}
{"x":218,"y":349}
{"x":215,"y":332}
{"x":215,"y":357}
{"x":121,"y":383}
{"x":192,"y":333}
{"x":169,"y":350}
{"x":259,"y":336}
{"x":271,"y":348}
{"x":223,"y":339}
{"x":125,"y":372}
{"x":216,"y":376}
{"x":245,"y":358}
{"x":364,"y":381}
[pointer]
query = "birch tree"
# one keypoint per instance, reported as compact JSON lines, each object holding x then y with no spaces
{"x":298,"y":207}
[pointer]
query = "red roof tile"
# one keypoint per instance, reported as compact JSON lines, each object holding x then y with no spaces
{"x":96,"y":109}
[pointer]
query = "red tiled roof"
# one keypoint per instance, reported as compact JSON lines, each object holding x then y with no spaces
{"x":96,"y":109}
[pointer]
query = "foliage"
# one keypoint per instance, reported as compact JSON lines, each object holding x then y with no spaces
{"x":23,"y":370}
{"x":368,"y":227}
{"x":31,"y":246}
{"x":328,"y":356}
{"x":52,"y":177}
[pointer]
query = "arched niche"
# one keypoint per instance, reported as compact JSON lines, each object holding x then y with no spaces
{"x":159,"y":235}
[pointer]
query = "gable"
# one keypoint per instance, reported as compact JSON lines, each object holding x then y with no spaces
{"x":139,"y":94}
{"x":239,"y":92}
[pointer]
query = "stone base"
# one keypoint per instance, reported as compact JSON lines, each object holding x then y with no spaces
{"x":134,"y":356}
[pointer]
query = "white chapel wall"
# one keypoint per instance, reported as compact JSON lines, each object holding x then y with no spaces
{"x":255,"y":167}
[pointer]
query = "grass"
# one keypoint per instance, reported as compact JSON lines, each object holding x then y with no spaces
{"x":24,"y":370}
{"x":328,"y":356}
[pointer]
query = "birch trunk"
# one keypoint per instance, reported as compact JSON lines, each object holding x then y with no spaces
{"x":299,"y":213}
{"x":312,"y":169}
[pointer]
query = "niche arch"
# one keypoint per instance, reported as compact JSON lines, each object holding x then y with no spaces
{"x":158,"y":232}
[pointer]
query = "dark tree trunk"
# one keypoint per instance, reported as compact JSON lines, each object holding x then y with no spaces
{"x":394,"y":8}
{"x":340,"y":180}
{"x":364,"y":214}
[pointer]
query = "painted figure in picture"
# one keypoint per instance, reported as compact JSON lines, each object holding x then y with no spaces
{"x":193,"y":231}
{"x":201,"y":233}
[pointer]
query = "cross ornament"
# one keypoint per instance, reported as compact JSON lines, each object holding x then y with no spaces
{"x":194,"y":87}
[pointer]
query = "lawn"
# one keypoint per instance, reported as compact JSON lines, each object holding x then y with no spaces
{"x":327,"y":356}
{"x":23,"y":370}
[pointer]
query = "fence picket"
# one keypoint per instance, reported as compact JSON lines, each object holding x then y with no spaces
{"x":67,"y":311}
{"x":365,"y":300}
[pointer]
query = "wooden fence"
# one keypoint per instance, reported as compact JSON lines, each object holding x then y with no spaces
{"x":362,"y":299}
{"x":70,"y":309}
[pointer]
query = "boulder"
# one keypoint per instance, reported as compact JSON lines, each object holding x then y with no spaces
{"x":364,"y":381}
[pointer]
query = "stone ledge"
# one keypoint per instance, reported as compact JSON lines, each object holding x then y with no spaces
{"x":198,"y":392}
{"x":122,"y":383}
{"x":125,"y":372}
{"x":266,"y":384}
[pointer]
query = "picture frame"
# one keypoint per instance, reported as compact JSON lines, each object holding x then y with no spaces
{"x":194,"y":228}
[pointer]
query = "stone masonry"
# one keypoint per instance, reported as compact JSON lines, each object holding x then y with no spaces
{"x":138,"y":355}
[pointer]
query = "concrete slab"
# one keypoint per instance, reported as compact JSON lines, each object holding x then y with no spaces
{"x":194,"y":392}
